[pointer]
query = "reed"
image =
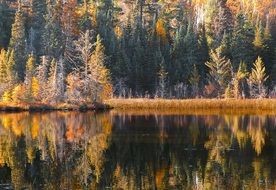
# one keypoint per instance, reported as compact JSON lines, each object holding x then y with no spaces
{"x":194,"y":104}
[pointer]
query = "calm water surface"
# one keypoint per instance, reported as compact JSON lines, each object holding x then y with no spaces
{"x":123,"y":150}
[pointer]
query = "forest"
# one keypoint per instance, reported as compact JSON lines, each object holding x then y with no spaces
{"x":89,"y":50}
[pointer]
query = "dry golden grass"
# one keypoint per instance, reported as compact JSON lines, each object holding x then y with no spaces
{"x":242,"y":106}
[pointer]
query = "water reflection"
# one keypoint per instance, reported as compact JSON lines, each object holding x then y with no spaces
{"x":120,"y":150}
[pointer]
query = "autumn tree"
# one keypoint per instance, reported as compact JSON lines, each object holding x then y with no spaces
{"x":74,"y":89}
{"x":99,"y":74}
{"x":219,"y":72}
{"x":84,"y":47}
{"x":257,"y":79}
{"x":28,"y":81}
{"x":55,"y":84}
{"x":239,"y":81}
{"x":41,"y":74}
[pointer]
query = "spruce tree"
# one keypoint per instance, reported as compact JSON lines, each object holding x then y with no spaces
{"x":6,"y":15}
{"x":194,"y":81}
{"x":53,"y":38}
{"x":18,"y":42}
{"x":242,"y":49}
{"x":38,"y":24}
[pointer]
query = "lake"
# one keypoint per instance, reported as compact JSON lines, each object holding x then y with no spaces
{"x":124,"y":150}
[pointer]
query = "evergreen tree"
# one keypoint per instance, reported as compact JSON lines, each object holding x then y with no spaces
{"x":53,"y":39}
{"x":218,"y":21}
{"x":18,"y":42}
{"x":39,"y":9}
{"x":6,"y":15}
{"x":85,"y":18}
{"x":242,"y":42}
{"x":194,"y":81}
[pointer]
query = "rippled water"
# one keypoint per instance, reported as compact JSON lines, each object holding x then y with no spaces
{"x":132,"y":150}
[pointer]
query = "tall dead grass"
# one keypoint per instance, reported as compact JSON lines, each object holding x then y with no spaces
{"x":243,"y":105}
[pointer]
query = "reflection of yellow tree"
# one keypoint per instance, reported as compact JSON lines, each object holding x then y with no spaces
{"x":236,"y":124}
{"x":22,"y":134}
{"x":257,"y":133}
{"x":96,"y":147}
{"x":218,"y":143}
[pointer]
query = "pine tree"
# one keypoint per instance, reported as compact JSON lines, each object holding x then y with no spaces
{"x":257,"y":79}
{"x":18,"y":42}
{"x":219,"y":71}
{"x":218,"y":21}
{"x":194,"y":81}
{"x":99,"y":74}
{"x":6,"y":15}
{"x":242,"y":49}
{"x":85,"y":17}
{"x":53,"y":38}
{"x":38,"y":24}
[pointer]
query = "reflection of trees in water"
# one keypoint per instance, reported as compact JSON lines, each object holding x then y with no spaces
{"x":94,"y":151}
{"x":55,"y":149}
{"x":203,"y":152}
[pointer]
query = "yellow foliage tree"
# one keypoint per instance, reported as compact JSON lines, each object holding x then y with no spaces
{"x":161,"y":31}
{"x":35,"y":87}
{"x":17,"y":93}
{"x":7,"y":96}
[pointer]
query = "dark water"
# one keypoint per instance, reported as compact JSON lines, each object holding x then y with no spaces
{"x":124,"y":151}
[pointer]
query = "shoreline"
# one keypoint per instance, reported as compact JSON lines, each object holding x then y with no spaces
{"x":193,"y":104}
{"x":41,"y":107}
{"x":142,"y":104}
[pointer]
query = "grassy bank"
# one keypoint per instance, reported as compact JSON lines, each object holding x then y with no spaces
{"x":37,"y":107}
{"x":194,"y":104}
